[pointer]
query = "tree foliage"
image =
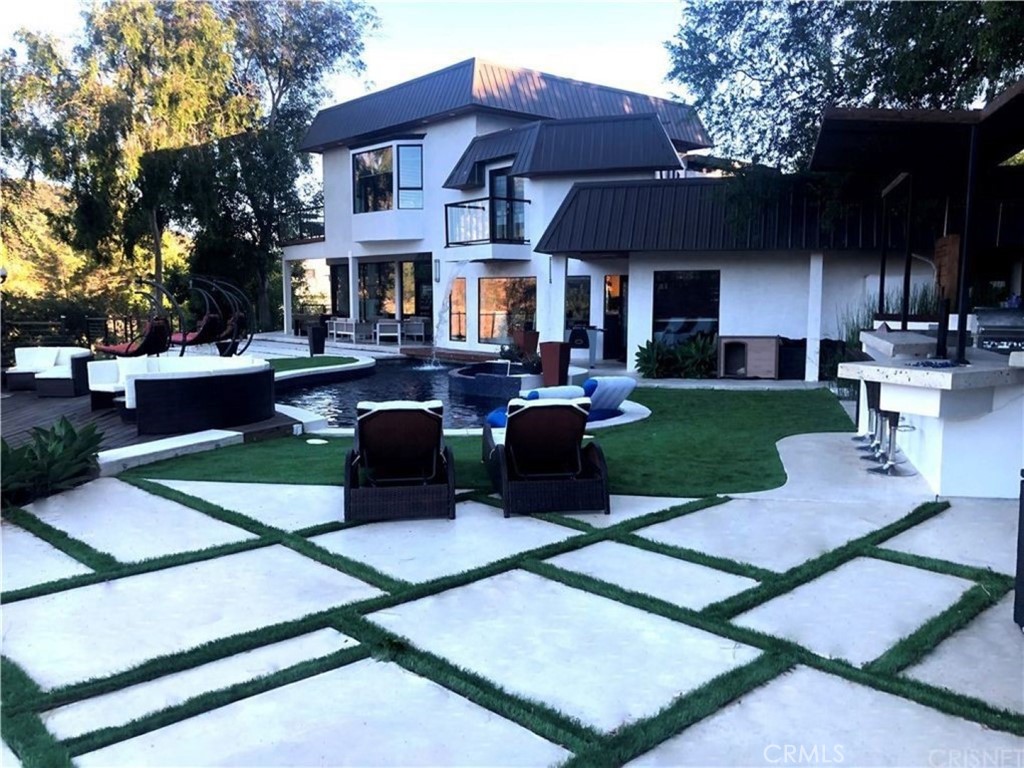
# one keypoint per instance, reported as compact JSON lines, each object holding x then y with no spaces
{"x":148,"y":77}
{"x":179,"y":112}
{"x":236,"y":190}
{"x":761,"y":72}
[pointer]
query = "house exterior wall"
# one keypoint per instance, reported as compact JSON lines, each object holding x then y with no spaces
{"x":767,"y":294}
{"x":762,"y":293}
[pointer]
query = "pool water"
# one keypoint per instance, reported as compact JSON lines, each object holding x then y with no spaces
{"x":392,"y":380}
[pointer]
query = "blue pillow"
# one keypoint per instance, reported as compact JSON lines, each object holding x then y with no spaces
{"x":533,"y":394}
{"x":497,"y":417}
{"x":589,"y":387}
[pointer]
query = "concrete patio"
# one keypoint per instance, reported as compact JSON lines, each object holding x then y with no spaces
{"x":288,"y":639}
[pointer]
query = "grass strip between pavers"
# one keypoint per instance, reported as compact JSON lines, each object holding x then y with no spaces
{"x":133,"y":569}
{"x":293,"y":541}
{"x":818,"y":566}
{"x":536,"y":716}
{"x":694,"y":556}
{"x":634,"y":739}
{"x":58,"y":539}
{"x":915,"y":646}
{"x":23,"y":731}
{"x":180,"y":661}
{"x":204,"y":702}
{"x":946,"y":567}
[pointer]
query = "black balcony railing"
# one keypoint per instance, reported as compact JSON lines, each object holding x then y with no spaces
{"x":485,"y":220}
{"x":302,"y":226}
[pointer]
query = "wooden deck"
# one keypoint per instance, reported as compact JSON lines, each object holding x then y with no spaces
{"x":20,"y":411}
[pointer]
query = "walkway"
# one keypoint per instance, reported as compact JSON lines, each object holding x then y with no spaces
{"x":839,"y":618}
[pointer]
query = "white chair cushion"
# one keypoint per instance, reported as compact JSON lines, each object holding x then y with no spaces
{"x":57,"y":372}
{"x":34,"y":359}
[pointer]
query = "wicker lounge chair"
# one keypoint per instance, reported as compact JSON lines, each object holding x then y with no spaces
{"x":399,"y":468}
{"x":538,"y":463}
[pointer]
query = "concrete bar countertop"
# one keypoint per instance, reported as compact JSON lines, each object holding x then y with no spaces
{"x":986,"y":369}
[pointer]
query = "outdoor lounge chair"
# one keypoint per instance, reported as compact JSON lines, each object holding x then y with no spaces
{"x":538,"y":463}
{"x":399,"y":467}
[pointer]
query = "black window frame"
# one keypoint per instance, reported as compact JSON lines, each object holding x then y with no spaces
{"x":356,"y":196}
{"x":400,"y":188}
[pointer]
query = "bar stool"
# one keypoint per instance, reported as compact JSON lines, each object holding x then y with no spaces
{"x":873,"y":391}
{"x":890,"y":467}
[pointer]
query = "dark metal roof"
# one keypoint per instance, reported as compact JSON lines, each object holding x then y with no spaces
{"x":702,"y":215}
{"x":556,"y":147}
{"x":476,"y":84}
{"x":927,"y":142}
{"x":500,"y":145}
{"x":769,"y":213}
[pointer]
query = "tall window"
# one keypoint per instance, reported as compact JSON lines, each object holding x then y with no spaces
{"x":377,"y":290}
{"x":457,"y":310}
{"x":577,"y":301}
{"x":410,"y":176}
{"x":372,"y":180}
{"x":508,"y":209}
{"x":506,"y":303}
{"x":685,"y":304}
{"x":340,"y":291}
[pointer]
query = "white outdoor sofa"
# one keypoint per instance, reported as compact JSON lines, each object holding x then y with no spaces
{"x":51,"y":371}
{"x":167,"y":395}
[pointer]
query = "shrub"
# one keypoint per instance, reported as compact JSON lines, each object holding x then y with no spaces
{"x":657,"y":360}
{"x":54,"y":460}
{"x":698,"y":356}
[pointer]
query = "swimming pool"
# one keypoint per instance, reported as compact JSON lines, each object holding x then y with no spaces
{"x":392,"y":380}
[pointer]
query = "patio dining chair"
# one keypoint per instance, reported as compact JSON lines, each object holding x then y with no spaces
{"x":399,"y":467}
{"x":538,"y":462}
{"x":390,"y":329}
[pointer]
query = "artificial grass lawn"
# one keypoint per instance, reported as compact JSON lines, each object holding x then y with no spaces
{"x":301,"y":363}
{"x":695,"y":443}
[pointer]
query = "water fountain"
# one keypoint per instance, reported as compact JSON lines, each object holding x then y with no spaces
{"x":443,"y":311}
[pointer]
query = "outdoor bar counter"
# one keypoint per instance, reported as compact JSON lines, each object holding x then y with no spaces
{"x":962,"y":427}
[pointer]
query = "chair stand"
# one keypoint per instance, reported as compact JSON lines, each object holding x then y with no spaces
{"x":890,"y":467}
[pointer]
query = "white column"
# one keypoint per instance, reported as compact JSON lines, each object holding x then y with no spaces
{"x":816,"y":274}
{"x":353,"y":287}
{"x":286,"y":293}
{"x":640,"y":309}
{"x":551,"y":300}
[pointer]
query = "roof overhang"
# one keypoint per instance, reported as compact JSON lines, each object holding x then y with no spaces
{"x":919,"y":141}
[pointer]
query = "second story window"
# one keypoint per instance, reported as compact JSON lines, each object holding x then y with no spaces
{"x":372,"y":182}
{"x":377,"y":187}
{"x":410,"y":176}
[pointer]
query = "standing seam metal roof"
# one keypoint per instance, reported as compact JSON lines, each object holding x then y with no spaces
{"x":475,"y":84}
{"x":589,"y":145}
{"x":702,"y":215}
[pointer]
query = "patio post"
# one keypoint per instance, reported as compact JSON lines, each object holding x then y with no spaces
{"x":353,"y":288}
{"x":551,"y":300}
{"x":286,"y":294}
{"x":816,"y":276}
{"x":963,"y":289}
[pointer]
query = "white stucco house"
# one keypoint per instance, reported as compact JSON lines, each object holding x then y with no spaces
{"x":453,"y":196}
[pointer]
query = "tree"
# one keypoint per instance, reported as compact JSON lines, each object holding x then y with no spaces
{"x":148,"y":78}
{"x":283,"y":51}
{"x":761,"y":73}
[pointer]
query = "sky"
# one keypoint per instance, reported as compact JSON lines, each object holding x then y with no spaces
{"x":618,"y":43}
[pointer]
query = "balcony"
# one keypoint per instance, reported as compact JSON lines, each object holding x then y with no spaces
{"x":487,"y":228}
{"x":302,"y":226}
